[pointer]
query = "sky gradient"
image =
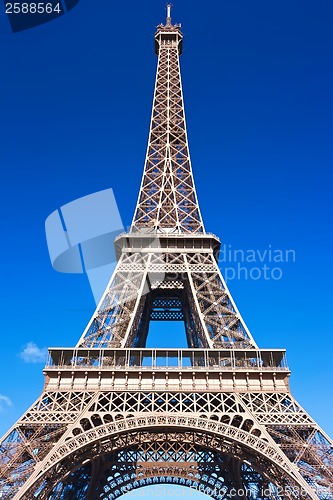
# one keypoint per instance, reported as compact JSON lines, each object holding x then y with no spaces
{"x":76,"y":97}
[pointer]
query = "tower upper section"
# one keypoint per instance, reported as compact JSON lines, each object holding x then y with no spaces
{"x":167,"y":200}
{"x":168,"y":32}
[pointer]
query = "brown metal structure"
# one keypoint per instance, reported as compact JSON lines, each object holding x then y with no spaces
{"x":217,"y":416}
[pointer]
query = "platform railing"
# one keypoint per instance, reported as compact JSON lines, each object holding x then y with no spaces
{"x":170,"y":359}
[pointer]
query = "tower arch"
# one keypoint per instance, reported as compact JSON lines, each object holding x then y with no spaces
{"x":188,"y":449}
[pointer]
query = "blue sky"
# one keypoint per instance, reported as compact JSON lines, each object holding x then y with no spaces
{"x":76,"y":96}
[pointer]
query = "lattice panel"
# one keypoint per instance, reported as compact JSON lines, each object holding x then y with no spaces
{"x":309,"y":449}
{"x":166,"y":402}
{"x":111,"y":321}
{"x":296,"y":434}
{"x":25,"y":446}
{"x":275,"y":408}
{"x":58,"y":406}
{"x":223,"y":324}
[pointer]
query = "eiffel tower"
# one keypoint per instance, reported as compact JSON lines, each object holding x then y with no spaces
{"x":217,"y":416}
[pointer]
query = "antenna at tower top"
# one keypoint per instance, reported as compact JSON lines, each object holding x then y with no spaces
{"x":168,"y":19}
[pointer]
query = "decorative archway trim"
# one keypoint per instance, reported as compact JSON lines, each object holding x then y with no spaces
{"x":181,"y":422}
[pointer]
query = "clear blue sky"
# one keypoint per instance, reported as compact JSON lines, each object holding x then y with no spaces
{"x":76,"y":96}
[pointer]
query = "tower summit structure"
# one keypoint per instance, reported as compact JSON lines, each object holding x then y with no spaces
{"x":218,"y":415}
{"x":167,"y":201}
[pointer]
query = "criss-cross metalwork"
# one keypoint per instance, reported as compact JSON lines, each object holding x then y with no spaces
{"x":217,"y":416}
{"x":167,"y":200}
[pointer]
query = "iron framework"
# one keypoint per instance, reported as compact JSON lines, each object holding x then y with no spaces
{"x":114,"y":415}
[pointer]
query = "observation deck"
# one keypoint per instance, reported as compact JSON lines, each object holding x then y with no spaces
{"x":176,"y":369}
{"x":160,"y":242}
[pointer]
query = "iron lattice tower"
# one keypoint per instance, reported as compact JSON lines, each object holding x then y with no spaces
{"x":218,"y":415}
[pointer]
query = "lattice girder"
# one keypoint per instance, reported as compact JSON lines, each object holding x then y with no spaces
{"x":144,"y":271}
{"x":167,"y":200}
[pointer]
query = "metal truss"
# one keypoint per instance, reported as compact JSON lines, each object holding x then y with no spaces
{"x":167,"y":200}
{"x":217,"y":416}
{"x":148,"y":284}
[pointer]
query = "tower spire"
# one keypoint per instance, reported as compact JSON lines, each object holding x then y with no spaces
{"x":167,"y":200}
{"x":168,"y":19}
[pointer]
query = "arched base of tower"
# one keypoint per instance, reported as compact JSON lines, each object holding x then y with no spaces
{"x":114,"y":466}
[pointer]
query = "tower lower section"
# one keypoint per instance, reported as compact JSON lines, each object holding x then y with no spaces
{"x":112,"y":420}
